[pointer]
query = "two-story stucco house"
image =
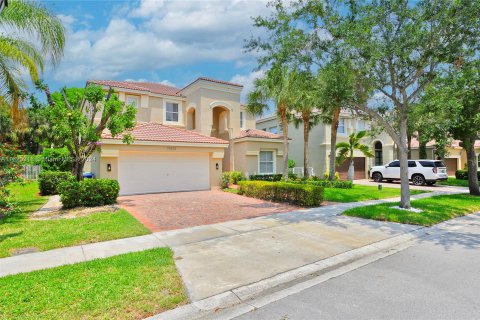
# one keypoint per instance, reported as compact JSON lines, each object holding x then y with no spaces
{"x":319,"y":145}
{"x":184,"y":138}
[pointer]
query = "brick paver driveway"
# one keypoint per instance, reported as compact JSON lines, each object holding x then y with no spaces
{"x":167,"y":211}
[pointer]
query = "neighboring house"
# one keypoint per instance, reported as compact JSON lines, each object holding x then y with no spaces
{"x":184,"y":138}
{"x":455,"y":159}
{"x":319,"y":145}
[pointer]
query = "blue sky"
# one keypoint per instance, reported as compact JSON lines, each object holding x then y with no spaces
{"x":172,"y":42}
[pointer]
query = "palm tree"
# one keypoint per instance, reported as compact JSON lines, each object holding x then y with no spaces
{"x":306,"y":112}
{"x":346,"y":150}
{"x":35,"y":36}
{"x":336,"y":92}
{"x":279,"y":86}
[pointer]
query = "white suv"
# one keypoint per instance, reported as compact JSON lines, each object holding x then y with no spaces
{"x":419,"y":172}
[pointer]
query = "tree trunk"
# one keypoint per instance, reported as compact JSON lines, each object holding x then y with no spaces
{"x":333,"y":143}
{"x":403,"y":157}
{"x":472,"y":167}
{"x":351,"y":171}
{"x":283,"y":116}
{"x":306,"y":134}
{"x":77,"y":169}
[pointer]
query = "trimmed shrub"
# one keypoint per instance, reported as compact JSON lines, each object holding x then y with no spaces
{"x":236,"y":177}
{"x":463,"y":174}
{"x":299,"y":194}
{"x":70,"y":194}
{"x":225,"y":180}
{"x":339,"y":184}
{"x":326,"y":175}
{"x":230,"y":177}
{"x":89,"y":193}
{"x":266,"y":177}
{"x":56,"y":159}
{"x":49,"y":181}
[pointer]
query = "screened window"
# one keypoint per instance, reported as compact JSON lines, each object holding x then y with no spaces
{"x":132,"y":100}
{"x":171,"y":111}
{"x":341,"y":126}
{"x":378,"y":154}
{"x":266,"y":162}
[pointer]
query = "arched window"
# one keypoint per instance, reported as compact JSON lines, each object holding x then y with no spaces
{"x":378,"y":153}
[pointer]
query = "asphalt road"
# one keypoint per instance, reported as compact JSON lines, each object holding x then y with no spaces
{"x":438,"y":278}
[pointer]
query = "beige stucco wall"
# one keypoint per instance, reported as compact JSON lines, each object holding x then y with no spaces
{"x":246,"y":153}
{"x":111,"y":152}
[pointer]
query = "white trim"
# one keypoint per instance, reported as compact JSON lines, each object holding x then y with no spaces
{"x":180,"y":113}
{"x":221,"y":104}
{"x":274,"y":162}
{"x":279,"y":140}
{"x":162,"y":143}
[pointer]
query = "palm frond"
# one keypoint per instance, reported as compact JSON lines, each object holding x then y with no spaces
{"x":35,"y":20}
{"x":21,"y":52}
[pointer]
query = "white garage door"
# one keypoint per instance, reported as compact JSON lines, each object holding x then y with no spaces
{"x":152,"y":172}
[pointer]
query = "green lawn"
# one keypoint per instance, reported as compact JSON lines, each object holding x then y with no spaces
{"x":129,"y":286}
{"x":435,"y":210}
{"x":362,"y":193}
{"x":18,"y":232}
{"x":356,"y":194}
{"x":452,"y":181}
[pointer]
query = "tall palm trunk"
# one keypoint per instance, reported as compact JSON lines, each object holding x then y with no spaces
{"x":333,"y":143}
{"x":306,"y":135}
{"x":282,"y":110}
{"x":473,"y":186}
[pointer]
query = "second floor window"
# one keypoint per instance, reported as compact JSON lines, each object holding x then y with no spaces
{"x":171,"y":112}
{"x":341,"y":126}
{"x":132,"y":100}
{"x":242,"y":121}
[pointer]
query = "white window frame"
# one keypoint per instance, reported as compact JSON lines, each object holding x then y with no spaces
{"x":274,"y":164}
{"x":130,"y":97}
{"x":180,"y":111}
{"x":342,"y":121}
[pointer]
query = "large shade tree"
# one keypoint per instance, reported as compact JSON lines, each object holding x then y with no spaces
{"x":398,"y":47}
{"x":32,"y":37}
{"x":455,"y":97}
{"x":79,"y":117}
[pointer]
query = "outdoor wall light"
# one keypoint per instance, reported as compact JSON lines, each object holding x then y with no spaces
{"x":217,"y":166}
{"x":109,"y":167}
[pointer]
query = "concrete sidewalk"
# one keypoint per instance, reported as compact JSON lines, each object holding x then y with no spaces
{"x":216,"y":258}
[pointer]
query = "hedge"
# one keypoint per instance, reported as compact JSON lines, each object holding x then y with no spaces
{"x":266,"y":177}
{"x":231,"y":177}
{"x":294,"y":193}
{"x":339,"y":184}
{"x":463,"y":174}
{"x":48,"y":181}
{"x":89,"y":193}
{"x":56,"y":159}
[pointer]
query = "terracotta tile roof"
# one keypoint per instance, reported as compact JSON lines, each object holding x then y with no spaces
{"x":255,"y":133}
{"x":152,"y":131}
{"x":455,"y":143}
{"x":152,"y":87}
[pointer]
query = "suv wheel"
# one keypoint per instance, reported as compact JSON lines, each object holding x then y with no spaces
{"x":418,"y":180}
{"x":377,"y":177}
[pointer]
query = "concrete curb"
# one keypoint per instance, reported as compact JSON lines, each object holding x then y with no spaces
{"x":240,"y":297}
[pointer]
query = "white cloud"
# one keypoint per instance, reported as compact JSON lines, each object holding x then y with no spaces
{"x":247,"y":82}
{"x":158,"y":34}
